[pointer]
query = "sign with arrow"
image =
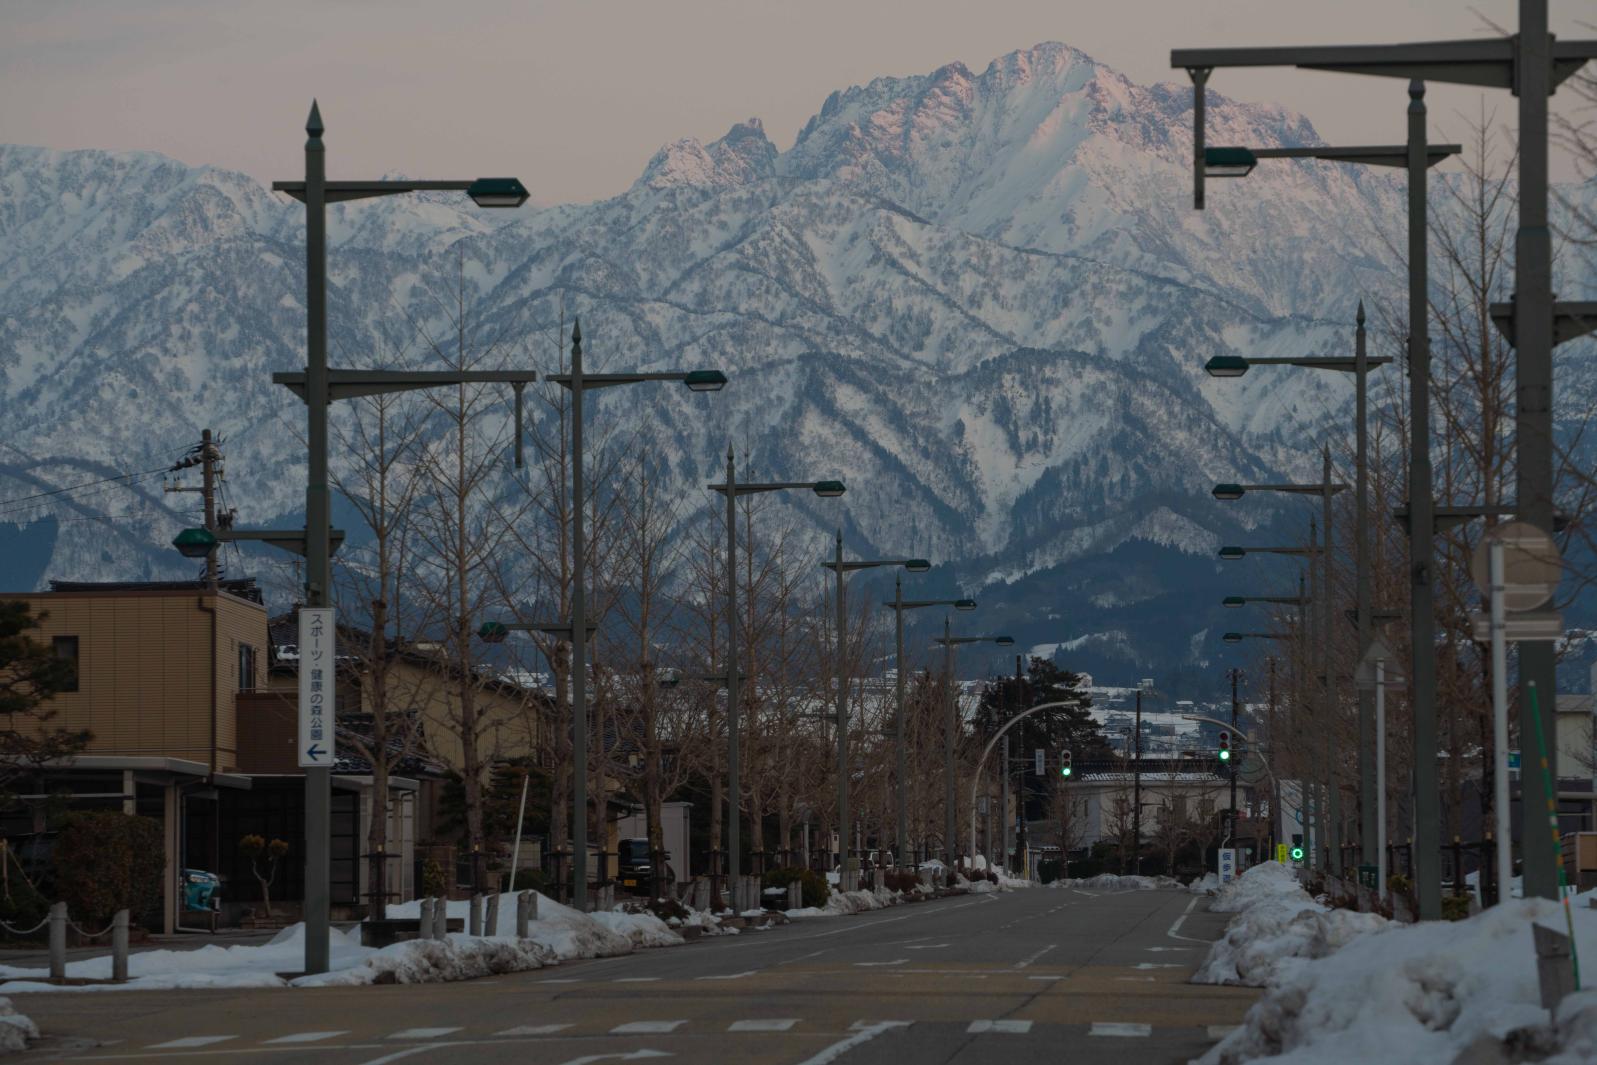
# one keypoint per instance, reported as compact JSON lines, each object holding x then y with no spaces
{"x":317,"y":667}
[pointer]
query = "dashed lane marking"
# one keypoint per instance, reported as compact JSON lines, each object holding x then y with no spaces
{"x":732,"y":976}
{"x":647,"y":1027}
{"x":190,"y":1041}
{"x":637,"y":979}
{"x":1006,"y":1027}
{"x":765,"y":1024}
{"x":423,"y":1033}
{"x":535,"y":1029}
{"x":1172,"y":932}
{"x":305,"y":1037}
{"x":1120,"y":1028}
{"x":1028,"y":960}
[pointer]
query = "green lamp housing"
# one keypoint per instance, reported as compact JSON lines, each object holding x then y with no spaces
{"x":497,"y":192}
{"x":704,"y":380}
{"x":1228,"y":491}
{"x":1226,"y":366}
{"x":829,"y":489}
{"x":1004,"y":641}
{"x":1232,"y":554}
{"x":917,"y":565}
{"x":1232,"y":637}
{"x":1228,"y":162}
{"x":493,"y":632}
{"x":1234,"y":601}
{"x":964,"y":604}
{"x":194,"y":543}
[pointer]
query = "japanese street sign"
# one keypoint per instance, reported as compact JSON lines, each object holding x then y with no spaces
{"x":1280,"y":853}
{"x":1527,"y":626}
{"x":316,"y":666}
{"x":1040,"y":756}
{"x":1228,"y":864}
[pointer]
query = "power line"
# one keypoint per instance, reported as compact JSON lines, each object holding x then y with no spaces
{"x":85,"y":484}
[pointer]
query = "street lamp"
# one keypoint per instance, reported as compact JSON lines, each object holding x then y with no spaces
{"x":1531,"y":63}
{"x":949,"y":641}
{"x":577,"y":381}
{"x":898,"y":606}
{"x":731,"y":489}
{"x":318,"y":386}
{"x":840,"y":567}
{"x":1359,"y":365}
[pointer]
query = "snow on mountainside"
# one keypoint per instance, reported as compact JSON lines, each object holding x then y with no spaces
{"x":983,"y":299}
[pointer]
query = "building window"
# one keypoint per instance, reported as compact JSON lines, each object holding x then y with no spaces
{"x":66,"y":648}
{"x":246,"y":667}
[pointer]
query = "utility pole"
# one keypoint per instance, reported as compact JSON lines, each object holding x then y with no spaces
{"x":1330,"y":711}
{"x":1136,"y":787}
{"x":1275,"y":780}
{"x":1024,"y":840}
{"x":208,"y":456}
{"x":1235,"y":675}
{"x":1003,"y":805}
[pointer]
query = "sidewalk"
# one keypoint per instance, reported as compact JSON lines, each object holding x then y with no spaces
{"x":39,"y":957}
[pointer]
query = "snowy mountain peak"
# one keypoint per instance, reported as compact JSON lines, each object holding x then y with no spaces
{"x":745,"y":155}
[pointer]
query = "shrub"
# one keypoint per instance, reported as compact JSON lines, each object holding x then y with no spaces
{"x":107,"y":861}
{"x":1455,"y":907}
{"x":433,"y":884}
{"x":901,"y":880}
{"x":814,"y":889}
{"x":530,"y":880}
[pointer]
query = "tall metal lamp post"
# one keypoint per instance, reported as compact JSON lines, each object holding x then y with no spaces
{"x":1531,"y":64}
{"x":578,"y":382}
{"x":731,"y":489}
{"x":841,"y":568}
{"x":949,"y":641}
{"x":898,"y":605}
{"x":1359,"y":365}
{"x":318,"y":386}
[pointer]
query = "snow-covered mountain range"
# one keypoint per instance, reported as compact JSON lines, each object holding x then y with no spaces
{"x":981,"y":298}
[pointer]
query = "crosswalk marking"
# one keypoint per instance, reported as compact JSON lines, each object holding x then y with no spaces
{"x":305,"y":1037}
{"x":423,"y":1033}
{"x":535,"y":1029}
{"x":1120,"y":1028}
{"x":192,"y":1041}
{"x":865,"y":1026}
{"x":646,"y":1027}
{"x":1007,"y":1027}
{"x":762,"y":1025}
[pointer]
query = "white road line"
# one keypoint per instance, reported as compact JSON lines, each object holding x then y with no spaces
{"x":732,"y":976}
{"x":535,"y":1029}
{"x":769,"y":1024}
{"x":859,"y":1038}
{"x":637,"y":979}
{"x":1045,"y":977}
{"x":560,"y":980}
{"x":407,"y":1052}
{"x":1135,"y":979}
{"x":423,"y":1033}
{"x":929,"y":946}
{"x":192,"y":1041}
{"x":647,"y":1027}
{"x":1172,"y":932}
{"x":880,"y":964}
{"x":1120,"y":1028}
{"x":305,"y":1037}
{"x":1006,"y":1027}
{"x":865,"y":1026}
{"x":1034,"y":957}
{"x":588,"y":1059}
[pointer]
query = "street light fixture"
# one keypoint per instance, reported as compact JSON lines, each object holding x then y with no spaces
{"x":317,"y":386}
{"x":1228,"y":162}
{"x":898,"y":605}
{"x":841,"y":568}
{"x":497,"y":192}
{"x":731,"y":489}
{"x":951,"y":727}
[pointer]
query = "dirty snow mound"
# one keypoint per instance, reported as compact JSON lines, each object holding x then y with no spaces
{"x":15,"y":1028}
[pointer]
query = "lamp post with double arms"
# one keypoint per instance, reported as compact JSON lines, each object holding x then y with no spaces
{"x":898,"y":606}
{"x":949,"y":641}
{"x":1530,"y":63}
{"x":318,"y":386}
{"x":841,"y":568}
{"x":1359,"y":366}
{"x":731,"y":489}
{"x":577,"y":381}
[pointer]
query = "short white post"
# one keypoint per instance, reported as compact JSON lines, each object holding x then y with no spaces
{"x":424,"y":928}
{"x":474,"y":922}
{"x":490,"y":922}
{"x":58,"y":941}
{"x":440,"y":918}
{"x":119,"y":947}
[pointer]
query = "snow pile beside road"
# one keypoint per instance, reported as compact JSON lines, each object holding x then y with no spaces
{"x":1114,"y":882}
{"x":1277,"y":926}
{"x":15,"y":1028}
{"x":559,"y":934}
{"x":1207,"y":884}
{"x":1422,"y":992}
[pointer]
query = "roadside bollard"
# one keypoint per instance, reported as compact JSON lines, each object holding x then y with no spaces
{"x":521,"y":915}
{"x":424,"y":929}
{"x":441,"y":918}
{"x":490,"y":923}
{"x":119,"y":947}
{"x":474,"y":922}
{"x":58,"y":941}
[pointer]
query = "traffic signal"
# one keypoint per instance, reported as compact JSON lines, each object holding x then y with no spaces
{"x":1297,"y":847}
{"x":1225,"y":746}
{"x":1064,"y":762}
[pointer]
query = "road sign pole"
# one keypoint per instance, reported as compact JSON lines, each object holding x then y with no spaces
{"x":1505,"y":853}
{"x":1380,"y":776}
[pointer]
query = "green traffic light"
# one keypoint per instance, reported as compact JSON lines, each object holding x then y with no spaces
{"x":1064,"y":771}
{"x":1225,"y":756}
{"x":1297,"y":854}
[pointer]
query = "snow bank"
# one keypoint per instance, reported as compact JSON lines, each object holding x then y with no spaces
{"x":1260,"y":883}
{"x":15,"y":1028}
{"x":1422,"y":992}
{"x":1207,"y":884}
{"x":1114,"y":882}
{"x":559,"y":934}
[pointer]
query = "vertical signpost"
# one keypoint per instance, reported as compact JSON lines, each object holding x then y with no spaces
{"x":1228,"y":864}
{"x":1039,"y":761}
{"x":317,"y":653}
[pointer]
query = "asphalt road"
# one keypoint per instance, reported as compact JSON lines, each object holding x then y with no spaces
{"x":1046,"y":975}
